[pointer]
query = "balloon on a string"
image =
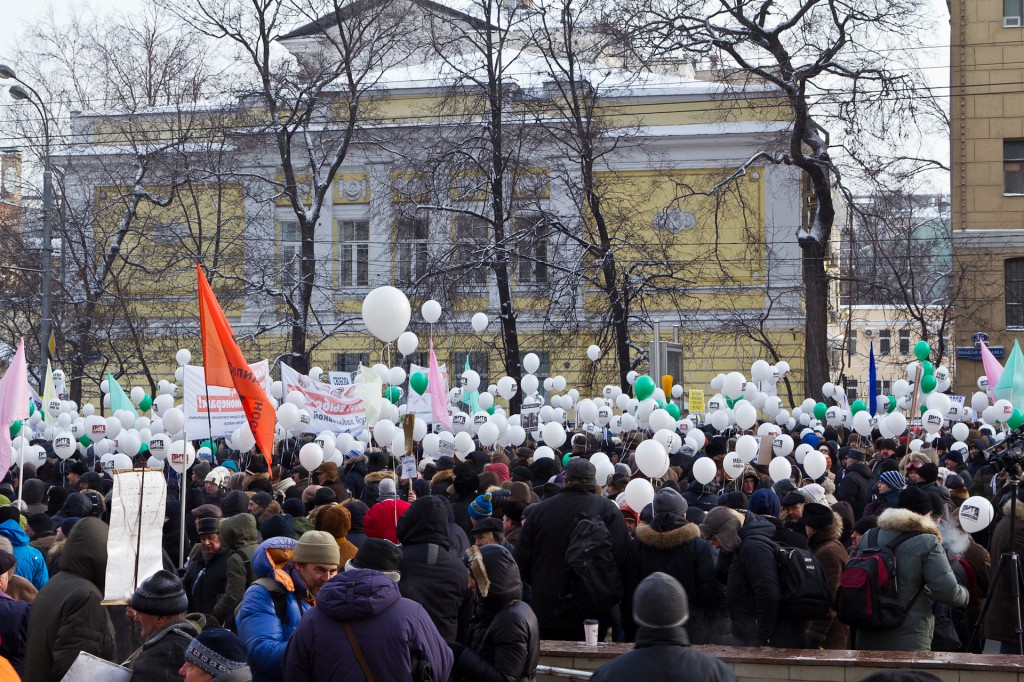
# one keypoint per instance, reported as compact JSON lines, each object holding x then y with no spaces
{"x":431,"y":311}
{"x":651,"y":458}
{"x":745,"y":414}
{"x":384,"y":432}
{"x":643,"y":387}
{"x":181,"y":456}
{"x":782,"y":445}
{"x":1003,"y":410}
{"x":418,"y":383}
{"x":639,"y":493}
{"x":486,"y":400}
{"x":386,"y":313}
{"x":471,"y":380}
{"x":960,"y":431}
{"x":543,"y":452}
{"x":396,"y":376}
{"x":479,"y":322}
{"x":760,"y":371}
{"x":594,"y":353}
{"x":733,"y":465}
{"x":897,"y":423}
{"x":183,"y":356}
{"x":604,"y":469}
{"x":780,"y":469}
{"x":531,"y":363}
{"x":931,"y":420}
{"x":746,"y":447}
{"x":704,"y":470}
{"x":431,"y":444}
{"x":815,"y":464}
{"x":553,"y":434}
{"x":488,"y":434}
{"x":408,"y":342}
{"x":463,"y":444}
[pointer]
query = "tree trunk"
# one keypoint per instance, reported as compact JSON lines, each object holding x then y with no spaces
{"x":815,"y":317}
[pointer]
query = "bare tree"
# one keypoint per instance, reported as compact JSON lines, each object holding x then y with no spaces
{"x":830,"y":64}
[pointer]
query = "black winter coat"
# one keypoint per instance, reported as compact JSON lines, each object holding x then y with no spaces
{"x":682,"y":553}
{"x":160,"y":656}
{"x":206,"y":580}
{"x":855,"y":487}
{"x":502,"y":643}
{"x":432,"y":575}
{"x":752,"y":592}
{"x":664,"y":654}
{"x":540,"y":552}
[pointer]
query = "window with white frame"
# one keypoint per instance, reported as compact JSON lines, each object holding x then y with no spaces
{"x":472,"y":243}
{"x":1013,"y":166}
{"x":1014,"y":285}
{"x":353,"y":253}
{"x":412,"y":248}
{"x":532,"y":250}
{"x":904,"y":342}
{"x":289,"y":250}
{"x":850,"y":386}
{"x":1013,"y":13}
{"x":851,"y":342}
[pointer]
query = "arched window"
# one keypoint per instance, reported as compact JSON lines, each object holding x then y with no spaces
{"x":1014,"y":279}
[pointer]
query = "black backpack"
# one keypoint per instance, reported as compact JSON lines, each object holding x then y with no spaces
{"x":804,"y":593}
{"x":868,"y":592}
{"x":593,"y":584}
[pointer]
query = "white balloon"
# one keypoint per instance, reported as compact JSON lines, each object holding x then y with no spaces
{"x":507,"y":388}
{"x":1003,"y":410}
{"x":733,"y":385}
{"x":463,"y":444}
{"x":782,"y":445}
{"x":384,"y":432}
{"x":129,"y":443}
{"x":698,"y":437}
{"x":733,"y":465}
{"x":287,"y":415}
{"x":431,"y":444}
{"x":181,"y":456}
{"x":386,"y":313}
{"x":587,"y":411}
{"x":915,"y":445}
{"x":516,"y":435}
{"x":760,"y":370}
{"x":553,"y":434}
{"x":631,"y":377}
{"x":976,"y":513}
{"x":721,"y":420}
{"x":408,"y":342}
{"x":815,"y":464}
{"x":530,"y":384}
{"x":174,"y":420}
{"x":746,"y":447}
{"x":594,"y":353}
{"x":113,"y":427}
{"x":604,"y":469}
{"x":745,"y":414}
{"x":396,"y":376}
{"x":543,"y":452}
{"x":531,"y":363}
{"x":931,"y":420}
{"x":780,"y":469}
{"x":311,"y":456}
{"x":431,"y":311}
{"x":704,"y":470}
{"x":961,"y":431}
{"x":939,"y":402}
{"x":773,"y":406}
{"x":486,"y":400}
{"x":801,"y":452}
{"x":651,"y":458}
{"x":862,"y":423}
{"x":479,"y":322}
{"x":897,"y":423}
{"x":64,"y":445}
{"x":488,"y":434}
{"x":661,"y":419}
{"x":470,"y":380}
{"x":639,"y":494}
{"x":183,"y":356}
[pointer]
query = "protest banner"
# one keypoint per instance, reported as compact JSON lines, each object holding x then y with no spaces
{"x":333,"y":408}
{"x":134,"y":544}
{"x":215,"y":411}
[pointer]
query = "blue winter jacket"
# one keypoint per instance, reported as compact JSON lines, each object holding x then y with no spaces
{"x":31,"y":564}
{"x":265,"y":635}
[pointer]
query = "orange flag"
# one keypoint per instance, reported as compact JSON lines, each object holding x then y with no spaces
{"x":225,"y":366}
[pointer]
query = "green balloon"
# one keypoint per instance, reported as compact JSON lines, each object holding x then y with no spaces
{"x":922,"y":350}
{"x":643,"y":387}
{"x":927,"y":368}
{"x":928,"y":383}
{"x":565,"y":459}
{"x":661,"y":404}
{"x":85,"y":440}
{"x":673,"y":410}
{"x":1016,"y":419}
{"x":924,"y":408}
{"x":393,"y":394}
{"x":819,"y":411}
{"x":146,"y":403}
{"x":144,"y":448}
{"x":15,"y":428}
{"x":858,"y":406}
{"x":730,"y":402}
{"x":31,"y":408}
{"x":490,"y":410}
{"x":892,"y":403}
{"x":208,"y":444}
{"x":418,"y":382}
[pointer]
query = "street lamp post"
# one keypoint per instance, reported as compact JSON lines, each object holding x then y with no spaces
{"x":25,"y":92}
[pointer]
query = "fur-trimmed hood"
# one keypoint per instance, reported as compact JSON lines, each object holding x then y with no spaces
{"x":833,"y":532}
{"x":378,"y":476}
{"x":442,"y":476}
{"x":904,"y":520}
{"x":671,"y":539}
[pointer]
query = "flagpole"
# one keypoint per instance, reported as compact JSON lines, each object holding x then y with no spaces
{"x":181,"y":481}
{"x":21,"y":476}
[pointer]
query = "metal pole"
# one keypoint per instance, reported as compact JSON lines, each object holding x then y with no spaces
{"x":46,"y":322}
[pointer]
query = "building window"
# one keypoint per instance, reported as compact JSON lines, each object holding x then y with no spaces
{"x":851,"y":343}
{"x":1014,"y":277}
{"x":1013,"y":13}
{"x":884,"y":342}
{"x":289,"y":249}
{"x":350,"y":362}
{"x":904,"y":342}
{"x":412,"y":248}
{"x":532,"y":267}
{"x":882,"y":387}
{"x":472,"y":239}
{"x":421,"y":358}
{"x":1013,"y":166}
{"x":850,"y":386}
{"x":354,"y":253}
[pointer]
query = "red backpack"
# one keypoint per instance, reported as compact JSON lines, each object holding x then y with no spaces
{"x":868,"y":590}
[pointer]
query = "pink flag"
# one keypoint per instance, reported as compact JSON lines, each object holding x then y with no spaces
{"x":993,"y":369}
{"x":13,"y":403}
{"x":438,"y":389}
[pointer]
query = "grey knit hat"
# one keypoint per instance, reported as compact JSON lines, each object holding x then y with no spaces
{"x":161,"y":594}
{"x":660,"y":602}
{"x":317,"y":547}
{"x":216,"y":651}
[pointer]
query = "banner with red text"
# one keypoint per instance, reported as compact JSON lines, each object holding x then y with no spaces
{"x":215,"y":408}
{"x":333,"y":408}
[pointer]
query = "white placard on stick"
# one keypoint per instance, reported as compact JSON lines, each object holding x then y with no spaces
{"x":137,"y":507}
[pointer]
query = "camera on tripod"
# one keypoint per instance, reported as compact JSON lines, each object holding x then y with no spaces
{"x":1008,"y":454}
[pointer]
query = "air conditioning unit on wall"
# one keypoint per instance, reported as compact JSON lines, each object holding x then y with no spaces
{"x":870,"y":332}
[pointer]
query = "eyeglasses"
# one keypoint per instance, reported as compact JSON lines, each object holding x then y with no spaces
{"x":915,"y":465}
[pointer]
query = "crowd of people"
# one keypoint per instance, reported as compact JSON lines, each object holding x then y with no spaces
{"x":353,"y":572}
